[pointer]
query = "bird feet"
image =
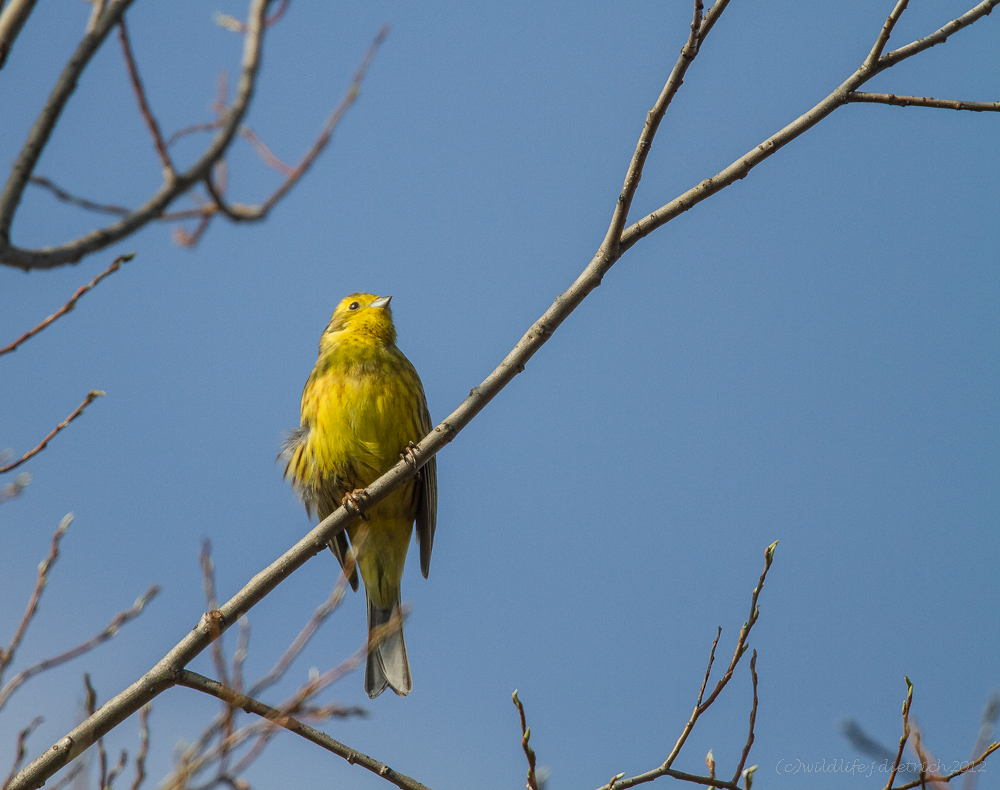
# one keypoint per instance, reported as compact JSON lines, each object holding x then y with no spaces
{"x":409,"y":455}
{"x":353,"y":502}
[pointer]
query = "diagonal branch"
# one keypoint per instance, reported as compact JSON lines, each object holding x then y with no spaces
{"x":140,"y":95}
{"x":923,"y":101}
{"x":115,"y":265}
{"x":11,"y":21}
{"x":73,"y":251}
{"x":40,"y":132}
{"x":199,"y":683}
{"x":91,"y":397}
{"x":7,"y":655}
{"x":742,"y":166}
{"x":113,"y":628}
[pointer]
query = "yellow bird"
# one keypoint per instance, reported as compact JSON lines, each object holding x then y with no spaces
{"x":361,"y":407}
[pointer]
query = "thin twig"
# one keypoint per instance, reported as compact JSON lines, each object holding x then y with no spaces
{"x":883,"y":36}
{"x":140,"y":759}
{"x":529,"y":753}
{"x":923,"y":101}
{"x":110,"y":208}
{"x":140,"y":95}
{"x":115,"y":265}
{"x":115,"y":772}
{"x":154,"y":207}
{"x":90,"y":705}
{"x":7,"y":656}
{"x":21,"y":749}
{"x":939,"y":36}
{"x":753,"y":719}
{"x":113,"y":627}
{"x":991,"y":712}
{"x":276,"y":717}
{"x":91,"y":397}
{"x":965,"y":768}
{"x":905,"y":736}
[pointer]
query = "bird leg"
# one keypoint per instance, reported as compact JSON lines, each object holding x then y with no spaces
{"x":353,"y":502}
{"x":409,"y":455}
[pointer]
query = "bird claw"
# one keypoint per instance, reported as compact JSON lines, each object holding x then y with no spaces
{"x":409,"y":455}
{"x":353,"y":501}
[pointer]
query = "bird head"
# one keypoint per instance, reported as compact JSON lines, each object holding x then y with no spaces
{"x":363,"y":315}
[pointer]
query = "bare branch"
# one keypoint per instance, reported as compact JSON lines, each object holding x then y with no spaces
{"x":91,"y":397}
{"x":529,"y":753}
{"x":11,"y":21}
{"x":240,"y":212}
{"x":90,"y":705}
{"x":883,"y":36}
{"x":742,"y":166}
{"x":21,"y":749}
{"x":964,"y":769}
{"x":115,"y":265}
{"x":7,"y":656}
{"x":923,"y":101}
{"x":905,"y":736}
{"x":276,"y":717}
{"x":741,"y":646}
{"x":753,"y":719}
{"x":113,"y":627}
{"x":40,"y":132}
{"x":140,"y":95}
{"x":73,"y":251}
{"x":939,"y":36}
{"x":140,"y":759}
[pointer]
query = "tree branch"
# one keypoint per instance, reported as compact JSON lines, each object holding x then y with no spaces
{"x":923,"y":101}
{"x":73,"y":251}
{"x":115,"y":265}
{"x":12,"y":19}
{"x":140,"y":95}
{"x":250,"y":705}
{"x":91,"y":397}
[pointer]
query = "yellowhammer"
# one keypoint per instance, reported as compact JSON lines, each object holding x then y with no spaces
{"x":361,"y":407}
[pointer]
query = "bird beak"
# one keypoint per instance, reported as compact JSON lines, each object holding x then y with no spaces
{"x":382,"y":301}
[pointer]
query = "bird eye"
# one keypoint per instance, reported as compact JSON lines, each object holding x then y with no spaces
{"x":353,"y":305}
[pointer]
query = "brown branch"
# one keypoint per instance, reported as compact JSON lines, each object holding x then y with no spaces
{"x":111,"y":208}
{"x":91,"y":397}
{"x":923,"y":101}
{"x":753,"y":719}
{"x":41,"y":130}
{"x":653,"y":118}
{"x":240,"y":212}
{"x":90,"y":706}
{"x":140,"y":95}
{"x":742,"y":166}
{"x":264,"y":152}
{"x":21,"y":749}
{"x":529,"y":753}
{"x":277,"y":718}
{"x":12,"y":19}
{"x":115,"y":265}
{"x":140,"y":759}
{"x":73,"y":251}
{"x":905,"y":736}
{"x":42,"y":578}
{"x":741,"y":646}
{"x":113,"y":627}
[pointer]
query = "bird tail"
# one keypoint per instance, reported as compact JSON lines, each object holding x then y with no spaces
{"x":387,"y":664}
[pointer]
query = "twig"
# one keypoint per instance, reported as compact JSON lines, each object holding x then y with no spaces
{"x":115,"y":265}
{"x":923,"y":101}
{"x":140,"y":758}
{"x":7,"y":656}
{"x":991,"y":712}
{"x":883,"y":36}
{"x":529,"y":753}
{"x":741,"y":646}
{"x":905,"y":736}
{"x":91,"y":397}
{"x":68,"y":777}
{"x":115,"y":772}
{"x":11,"y":21}
{"x":90,"y":705}
{"x":276,"y":717}
{"x":140,"y":95}
{"x":113,"y":627}
{"x":753,"y":718}
{"x":232,"y":23}
{"x":21,"y":749}
{"x":239,"y":212}
{"x":742,"y":166}
{"x":73,"y":251}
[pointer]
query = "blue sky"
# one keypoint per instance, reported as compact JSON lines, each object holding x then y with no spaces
{"x":809,"y":356}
